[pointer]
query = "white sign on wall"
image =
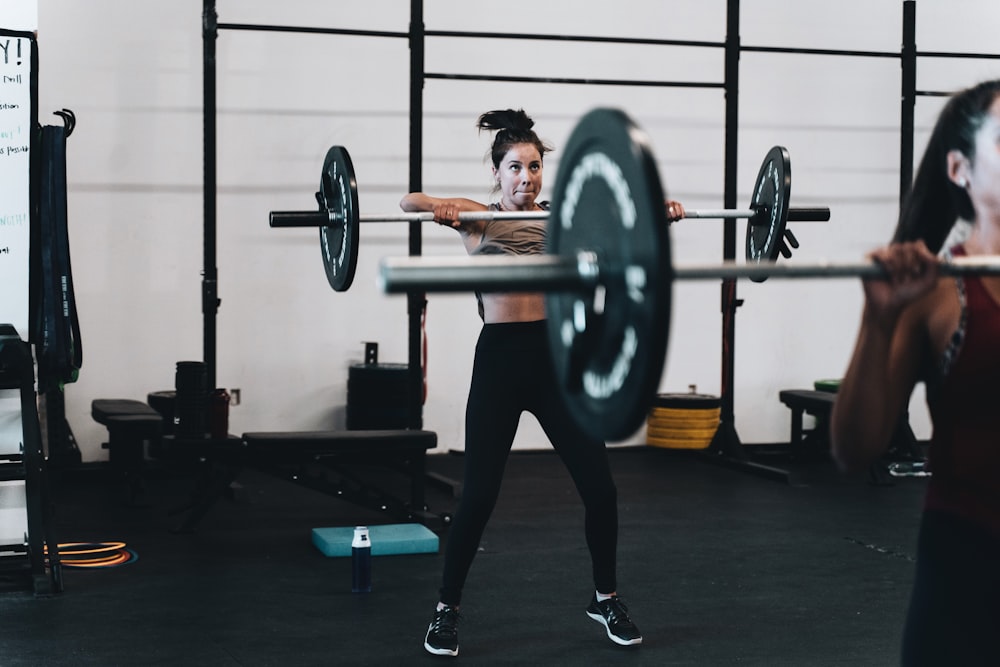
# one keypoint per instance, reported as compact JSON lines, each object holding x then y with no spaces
{"x":16,"y":127}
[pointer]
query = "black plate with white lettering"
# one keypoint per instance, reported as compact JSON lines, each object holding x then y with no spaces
{"x":772,"y":188}
{"x":338,"y":194}
{"x":609,"y":347}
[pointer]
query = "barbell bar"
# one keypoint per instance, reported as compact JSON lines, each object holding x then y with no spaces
{"x":585,"y":272}
{"x":795,"y":214}
{"x":338,"y":218}
{"x":282,"y":219}
{"x":608,"y":275}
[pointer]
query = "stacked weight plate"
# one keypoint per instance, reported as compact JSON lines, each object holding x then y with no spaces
{"x":377,"y":396}
{"x":827,"y":385}
{"x":683,"y":421}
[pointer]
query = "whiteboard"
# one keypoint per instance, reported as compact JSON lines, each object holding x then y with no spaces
{"x":18,"y":97}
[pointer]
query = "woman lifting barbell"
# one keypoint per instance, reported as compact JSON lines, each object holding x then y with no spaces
{"x":920,"y":326}
{"x":512,"y":373}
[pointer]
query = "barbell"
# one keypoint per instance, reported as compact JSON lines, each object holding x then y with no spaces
{"x":608,"y":275}
{"x":338,"y":217}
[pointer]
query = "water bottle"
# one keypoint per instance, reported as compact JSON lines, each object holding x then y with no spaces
{"x":361,"y":560}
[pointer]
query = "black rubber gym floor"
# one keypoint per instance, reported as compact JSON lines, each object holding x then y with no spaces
{"x":718,"y":566}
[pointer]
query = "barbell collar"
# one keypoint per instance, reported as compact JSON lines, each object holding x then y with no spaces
{"x":303,"y":218}
{"x":817,"y":214}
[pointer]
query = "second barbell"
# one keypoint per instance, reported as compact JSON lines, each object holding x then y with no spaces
{"x":338,"y":216}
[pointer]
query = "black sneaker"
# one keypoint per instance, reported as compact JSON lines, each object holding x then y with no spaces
{"x":442,"y":633}
{"x":613,"y":615}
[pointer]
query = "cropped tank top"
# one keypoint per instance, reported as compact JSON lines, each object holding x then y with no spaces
{"x":511,"y":237}
{"x":963,"y":396}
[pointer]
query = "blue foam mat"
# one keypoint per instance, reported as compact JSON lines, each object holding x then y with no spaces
{"x":387,"y":540}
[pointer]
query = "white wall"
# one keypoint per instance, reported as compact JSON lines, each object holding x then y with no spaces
{"x":131,"y":70}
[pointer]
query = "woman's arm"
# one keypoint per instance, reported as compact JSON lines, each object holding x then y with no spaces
{"x":891,"y":346}
{"x":446,"y":210}
{"x":878,"y":382}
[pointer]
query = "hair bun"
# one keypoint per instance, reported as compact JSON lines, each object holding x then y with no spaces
{"x":505,"y":119}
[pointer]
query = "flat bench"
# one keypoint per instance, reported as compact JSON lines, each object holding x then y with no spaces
{"x":815,"y":403}
{"x":903,"y":447}
{"x":131,"y":426}
{"x":307,"y":458}
{"x":396,"y":448}
{"x":303,"y":457}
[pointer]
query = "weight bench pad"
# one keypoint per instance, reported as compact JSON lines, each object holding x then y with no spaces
{"x":808,"y":400}
{"x":103,"y":408}
{"x":134,"y":426}
{"x":339,"y":442}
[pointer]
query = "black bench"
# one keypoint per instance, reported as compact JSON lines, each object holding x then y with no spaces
{"x":132,"y":425}
{"x":815,"y":403}
{"x":903,"y":447}
{"x":306,"y":458}
{"x":404,"y":450}
{"x":323,"y":461}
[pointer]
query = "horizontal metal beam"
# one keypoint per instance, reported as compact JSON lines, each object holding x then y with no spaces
{"x":820,"y":52}
{"x":310,"y":30}
{"x":574,"y":38}
{"x":571,"y":80}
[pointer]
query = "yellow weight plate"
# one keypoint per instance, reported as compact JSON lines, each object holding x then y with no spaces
{"x":678,"y":412}
{"x":691,"y":434}
{"x":671,"y":443}
{"x":709,"y":421}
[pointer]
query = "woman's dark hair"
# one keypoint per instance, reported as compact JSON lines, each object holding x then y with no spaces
{"x":934,"y":202}
{"x":513,"y":127}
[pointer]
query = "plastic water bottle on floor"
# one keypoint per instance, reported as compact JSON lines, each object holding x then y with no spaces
{"x":361,"y":559}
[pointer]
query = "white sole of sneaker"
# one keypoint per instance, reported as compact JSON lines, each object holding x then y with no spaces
{"x":439,"y":651}
{"x":611,"y":636}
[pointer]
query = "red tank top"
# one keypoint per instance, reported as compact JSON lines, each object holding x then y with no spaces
{"x":964,"y":403}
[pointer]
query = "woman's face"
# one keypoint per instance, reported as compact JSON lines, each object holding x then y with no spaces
{"x":519,"y":176}
{"x":983,"y":171}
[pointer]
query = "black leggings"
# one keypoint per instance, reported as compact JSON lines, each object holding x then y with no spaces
{"x":954,"y":614}
{"x":512,"y":373}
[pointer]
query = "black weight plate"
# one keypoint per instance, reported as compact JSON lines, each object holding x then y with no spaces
{"x":379,"y":369}
{"x":770,"y":196}
{"x":687,"y":401}
{"x":609,"y":348}
{"x":338,"y":194}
